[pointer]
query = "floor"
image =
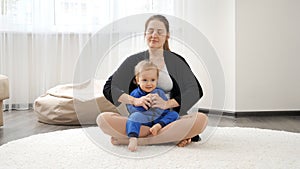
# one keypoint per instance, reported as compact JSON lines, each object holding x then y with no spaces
{"x":20,"y":124}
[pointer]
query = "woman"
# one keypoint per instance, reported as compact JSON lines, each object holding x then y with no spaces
{"x":175,"y":78}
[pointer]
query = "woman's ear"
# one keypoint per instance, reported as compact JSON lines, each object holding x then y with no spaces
{"x":168,"y":36}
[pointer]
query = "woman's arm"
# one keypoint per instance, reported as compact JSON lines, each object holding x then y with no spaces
{"x":158,"y":102}
{"x":186,"y":88}
{"x":144,"y":101}
{"x":120,"y":82}
{"x":107,"y":90}
{"x":172,"y":103}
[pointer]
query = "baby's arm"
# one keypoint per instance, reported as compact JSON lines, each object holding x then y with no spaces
{"x":133,"y":108}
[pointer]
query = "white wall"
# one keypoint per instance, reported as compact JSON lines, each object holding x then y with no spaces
{"x":216,"y":20}
{"x":258,"y":43}
{"x":267,"y":55}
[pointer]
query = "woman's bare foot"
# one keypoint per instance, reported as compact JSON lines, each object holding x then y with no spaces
{"x":114,"y":141}
{"x":132,"y":146}
{"x":183,"y":143}
{"x":119,"y":141}
{"x":154,"y":129}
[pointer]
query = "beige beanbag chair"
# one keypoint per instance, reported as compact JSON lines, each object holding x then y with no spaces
{"x":73,"y":104}
{"x":4,"y":94}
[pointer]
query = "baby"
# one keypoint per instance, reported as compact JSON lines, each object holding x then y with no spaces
{"x":146,"y":76}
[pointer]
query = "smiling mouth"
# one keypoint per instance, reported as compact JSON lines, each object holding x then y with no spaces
{"x":148,"y":88}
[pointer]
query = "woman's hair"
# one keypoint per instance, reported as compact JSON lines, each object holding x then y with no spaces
{"x":165,"y":22}
{"x":145,"y":65}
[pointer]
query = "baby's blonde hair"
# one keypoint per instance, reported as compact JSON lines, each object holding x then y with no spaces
{"x":145,"y":65}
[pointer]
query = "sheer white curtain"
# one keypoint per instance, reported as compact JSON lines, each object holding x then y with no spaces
{"x":41,"y":40}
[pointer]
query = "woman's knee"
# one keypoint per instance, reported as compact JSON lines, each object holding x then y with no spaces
{"x":202,"y":116}
{"x":201,"y":120}
{"x":103,"y":118}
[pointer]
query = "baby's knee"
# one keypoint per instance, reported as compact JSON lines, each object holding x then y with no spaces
{"x":174,"y":115}
{"x":136,"y":116}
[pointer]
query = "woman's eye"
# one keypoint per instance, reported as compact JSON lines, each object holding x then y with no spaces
{"x":160,"y":32}
{"x":150,"y":31}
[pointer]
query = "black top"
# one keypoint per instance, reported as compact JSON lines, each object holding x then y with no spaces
{"x":186,"y":88}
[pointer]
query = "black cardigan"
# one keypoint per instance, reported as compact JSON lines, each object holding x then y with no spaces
{"x":186,"y":88}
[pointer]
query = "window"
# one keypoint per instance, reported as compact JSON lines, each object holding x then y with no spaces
{"x":16,"y":11}
{"x":78,"y":12}
{"x":81,"y":14}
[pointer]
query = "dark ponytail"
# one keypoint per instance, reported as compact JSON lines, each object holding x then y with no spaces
{"x":166,"y":45}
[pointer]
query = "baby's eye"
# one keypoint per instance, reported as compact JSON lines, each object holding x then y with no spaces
{"x":144,"y":80}
{"x":153,"y":80}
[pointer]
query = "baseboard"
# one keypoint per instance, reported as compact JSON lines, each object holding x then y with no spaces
{"x":204,"y":110}
{"x":268,"y":113}
{"x":252,"y":113}
{"x":216,"y":111}
{"x":28,"y":106}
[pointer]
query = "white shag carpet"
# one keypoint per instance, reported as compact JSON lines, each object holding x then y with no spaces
{"x":227,"y":148}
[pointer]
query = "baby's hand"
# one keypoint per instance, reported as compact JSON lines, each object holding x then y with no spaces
{"x":144,"y":101}
{"x":149,"y":97}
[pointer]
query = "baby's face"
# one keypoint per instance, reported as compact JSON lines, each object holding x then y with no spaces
{"x":147,"y":80}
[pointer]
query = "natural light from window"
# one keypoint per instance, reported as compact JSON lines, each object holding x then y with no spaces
{"x":74,"y":14}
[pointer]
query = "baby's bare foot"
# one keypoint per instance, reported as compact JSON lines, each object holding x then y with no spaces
{"x":154,"y":129}
{"x":132,"y":146}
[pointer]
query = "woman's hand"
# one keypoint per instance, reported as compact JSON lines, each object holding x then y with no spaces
{"x":158,"y":102}
{"x":144,"y":101}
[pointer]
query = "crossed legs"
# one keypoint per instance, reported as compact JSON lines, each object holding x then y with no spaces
{"x":179,"y":131}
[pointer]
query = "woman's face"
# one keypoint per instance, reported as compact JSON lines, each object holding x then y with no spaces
{"x":156,"y":34}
